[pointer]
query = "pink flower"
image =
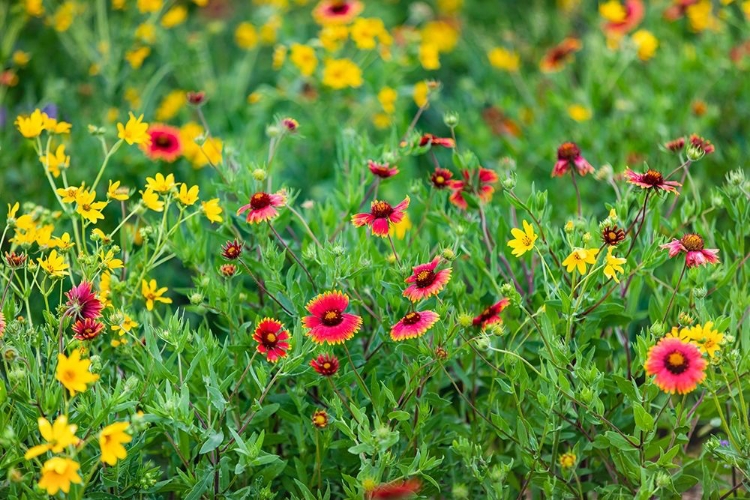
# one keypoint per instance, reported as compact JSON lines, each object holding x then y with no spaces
{"x":329,"y":323}
{"x":491,"y":314}
{"x":381,"y":216}
{"x":262,"y":206}
{"x":702,"y":144}
{"x":82,"y":303}
{"x":414,"y":325}
{"x":87,"y":329}
{"x":484,"y":189}
{"x":382,"y":170}
{"x":425,"y":282}
{"x":676,"y":364}
{"x":692,"y":245}
{"x":165,"y":143}
{"x":651,"y":180}
{"x":433,"y":140}
{"x":569,"y":155}
{"x":272,"y":339}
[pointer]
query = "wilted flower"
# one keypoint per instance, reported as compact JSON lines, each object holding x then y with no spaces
{"x":568,"y":156}
{"x":651,"y":180}
{"x":382,"y":170}
{"x":675,"y":145}
{"x":262,"y":206}
{"x":695,"y":254}
{"x":613,"y":235}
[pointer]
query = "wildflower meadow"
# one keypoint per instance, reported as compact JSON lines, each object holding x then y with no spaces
{"x":360,"y":249}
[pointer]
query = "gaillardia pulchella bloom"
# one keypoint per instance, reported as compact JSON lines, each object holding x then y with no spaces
{"x":337,"y":11}
{"x":677,"y":365}
{"x":695,"y":254}
{"x":87,"y":329}
{"x":328,"y":322}
{"x":491,"y":314}
{"x":381,"y":216}
{"x":325,"y":364}
{"x":414,"y":325}
{"x":232,"y":250}
{"x":613,"y":235}
{"x":262,"y":207}
{"x":652,"y":179}
{"x":568,"y":156}
{"x":320,"y":419}
{"x":382,"y":170}
{"x":484,"y":177}
{"x":425,"y":282}
{"x":441,"y":178}
{"x":164,"y":144}
{"x":82,"y":302}
{"x":272,"y":339}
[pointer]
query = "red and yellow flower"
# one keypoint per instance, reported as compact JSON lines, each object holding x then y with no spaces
{"x":272,"y":339}
{"x":328,"y":323}
{"x":381,"y":216}
{"x":677,"y":365}
{"x":414,"y":325}
{"x":425,"y":282}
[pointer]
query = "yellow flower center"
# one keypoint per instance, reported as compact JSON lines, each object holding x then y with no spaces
{"x":327,"y":366}
{"x":271,"y":337}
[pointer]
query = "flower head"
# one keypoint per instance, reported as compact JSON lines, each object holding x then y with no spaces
{"x":675,"y":145}
{"x":341,"y":73}
{"x":705,"y":337}
{"x":111,"y":441}
{"x":568,"y":156}
{"x":87,"y":329}
{"x":441,"y":178}
{"x":55,"y":161}
{"x":676,"y":364}
{"x":87,"y":207}
{"x":382,"y":170}
{"x":115,"y":192}
{"x":396,"y":490}
{"x":262,"y":206}
{"x":613,"y":265}
{"x":320,"y":419}
{"x":425,"y":281}
{"x":491,"y":315}
{"x":134,"y":131}
{"x":232,"y":250}
{"x":579,"y":257}
{"x":695,"y":254}
{"x":484,"y":178}
{"x":212,"y":210}
{"x":651,"y":179}
{"x":433,"y":140}
{"x":704,"y":146}
{"x":272,"y":339}
{"x":622,"y":18}
{"x":523,"y":240}
{"x":328,"y":322}
{"x":58,"y":473}
{"x":82,"y":302}
{"x":558,"y":56}
{"x":568,"y":460}
{"x":613,"y":235}
{"x":381,"y":216}
{"x":337,"y":11}
{"x":33,"y":125}
{"x":414,"y":325}
{"x":160,"y":183}
{"x":325,"y":364}
{"x":187,"y":196}
{"x":151,"y":200}
{"x":59,"y":436}
{"x":54,"y":265}
{"x":152,"y":294}
{"x":164,"y":143}
{"x":73,"y":372}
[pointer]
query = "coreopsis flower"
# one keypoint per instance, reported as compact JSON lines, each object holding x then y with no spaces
{"x":111,"y":441}
{"x":328,"y":322}
{"x":568,"y":460}
{"x":320,"y":419}
{"x":164,"y":143}
{"x":342,"y":73}
{"x":523,"y":240}
{"x":174,"y":16}
{"x":491,"y":314}
{"x":134,"y":131}
{"x":558,"y":56}
{"x":414,"y":325}
{"x":382,"y":170}
{"x":231,"y":250}
{"x":58,"y":436}
{"x":87,"y":329}
{"x":62,"y":242}
{"x":613,"y":235}
{"x":212,"y":210}
{"x":54,"y":265}
{"x":579,"y":258}
{"x":705,"y":337}
{"x":87,"y":207}
{"x":304,"y":59}
{"x":55,"y":161}
{"x":701,"y":144}
{"x":693,"y":247}
{"x":325,"y":364}
{"x":187,"y":196}
{"x":337,"y":11}
{"x":675,"y":145}
{"x":262,"y":206}
{"x":425,"y":282}
{"x":421,"y":94}
{"x":381,"y":216}
{"x":151,"y":200}
{"x":677,"y":365}
{"x":115,"y":192}
{"x":387,"y":97}
{"x":68,"y":194}
{"x":579,"y":112}
{"x":613,"y":265}
{"x":645,"y":43}
{"x":160,"y":183}
{"x":73,"y":372}
{"x":272,"y":339}
{"x":124,"y":324}
{"x":109,"y":261}
{"x":152,"y":294}
{"x":429,"y":56}
{"x":31,"y":126}
{"x":135,"y":58}
{"x":82,"y":302}
{"x":504,"y":59}
{"x":58,"y":473}
{"x":652,"y":179}
{"x":441,"y":178}
{"x":568,"y":156}
{"x":246,"y":36}
{"x":621,"y":18}
{"x":396,"y":490}
{"x":433,"y":140}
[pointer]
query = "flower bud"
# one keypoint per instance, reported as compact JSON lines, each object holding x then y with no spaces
{"x":10,"y":354}
{"x":496,"y":329}
{"x":586,"y":395}
{"x":197,"y":98}
{"x":728,"y":339}
{"x":509,"y":182}
{"x":586,"y":237}
{"x":483,"y":342}
{"x":196,"y":298}
{"x":460,"y":491}
{"x":506,"y":289}
{"x":684,"y":319}
{"x":338,"y":250}
{"x":259,"y":174}
{"x":700,"y":292}
{"x":391,"y":258}
{"x":441,"y":353}
{"x":465,"y":320}
{"x":663,"y":480}
{"x":657,"y":329}
{"x":695,"y":153}
{"x":448,"y":254}
{"x":14,"y":475}
{"x":17,"y":375}
{"x":569,"y":227}
{"x":450,"y":119}
{"x":204,"y":281}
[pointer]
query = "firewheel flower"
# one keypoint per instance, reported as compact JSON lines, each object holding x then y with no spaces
{"x":695,"y":254}
{"x":262,"y":207}
{"x":152,"y":294}
{"x":59,"y":436}
{"x":381,"y":216}
{"x":395,"y":490}
{"x":620,"y":18}
{"x":425,"y":282}
{"x":441,"y":178}
{"x":523,"y":240}
{"x":320,"y":419}
{"x":491,"y":315}
{"x":325,"y":364}
{"x":272,"y":339}
{"x":82,"y":302}
{"x":579,"y":257}
{"x":337,"y":11}
{"x":433,"y":140}
{"x":111,"y":441}
{"x":558,"y":56}
{"x":705,"y":337}
{"x":382,"y":170}
{"x":485,"y":179}
{"x":58,"y":473}
{"x":87,"y":329}
{"x":164,"y":143}
{"x":414,"y":325}
{"x":568,"y":156}
{"x":328,"y":322}
{"x":677,"y":365}
{"x":613,"y":265}
{"x":652,"y":179}
{"x":73,"y":372}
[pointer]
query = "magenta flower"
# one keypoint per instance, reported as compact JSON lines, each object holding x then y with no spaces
{"x":262,"y":207}
{"x":692,"y":246}
{"x":425,"y":282}
{"x":677,"y":365}
{"x":414,"y":325}
{"x":87,"y":329}
{"x":651,"y":180}
{"x":381,"y":216}
{"x":328,"y":322}
{"x":568,"y":156}
{"x":82,"y":303}
{"x":382,"y":170}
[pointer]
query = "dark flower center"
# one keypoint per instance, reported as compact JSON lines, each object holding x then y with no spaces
{"x":260,"y":201}
{"x":568,"y":151}
{"x":411,"y":318}
{"x":163,"y":141}
{"x":339,"y":8}
{"x":653,"y":178}
{"x":425,"y":278}
{"x":381,"y":209}
{"x":332,"y":318}
{"x":692,"y":242}
{"x":676,"y":363}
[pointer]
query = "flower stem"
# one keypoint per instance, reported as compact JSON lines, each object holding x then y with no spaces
{"x":578,"y":193}
{"x":281,"y":241}
{"x":393,"y":247}
{"x":677,"y":287}
{"x":361,"y":381}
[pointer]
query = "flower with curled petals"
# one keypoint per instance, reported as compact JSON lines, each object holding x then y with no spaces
{"x":414,"y":325}
{"x":262,"y":206}
{"x":381,"y":216}
{"x":491,"y":314}
{"x":328,"y":323}
{"x":692,"y":246}
{"x":425,"y":281}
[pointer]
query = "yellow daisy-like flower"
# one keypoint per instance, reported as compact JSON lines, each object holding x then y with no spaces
{"x":342,"y":73}
{"x":188,"y":196}
{"x":73,"y":372}
{"x":568,"y":460}
{"x":400,"y":229}
{"x":58,"y":473}
{"x":33,"y":125}
{"x":504,"y":59}
{"x":152,"y":201}
{"x":646,"y":43}
{"x":87,"y":207}
{"x":115,"y":192}
{"x":109,"y":260}
{"x":579,"y":257}
{"x":54,"y":265}
{"x":160,"y":184}
{"x":246,"y":36}
{"x":153,"y":294}
{"x":387,"y":98}
{"x":429,"y":56}
{"x":304,"y":58}
{"x":110,"y":442}
{"x":171,"y":105}
{"x":68,"y":194}
{"x":421,"y":93}
{"x":524,"y":240}
{"x":63,"y":242}
{"x":135,"y":57}
{"x":212,"y":210}
{"x":134,"y":131}
{"x":54,"y":161}
{"x":55,"y":127}
{"x":613,"y":11}
{"x":706,"y":338}
{"x":613,"y":265}
{"x":174,"y":16}
{"x":148,"y":6}
{"x":579,"y":112}
{"x":125,"y":325}
{"x":59,"y":436}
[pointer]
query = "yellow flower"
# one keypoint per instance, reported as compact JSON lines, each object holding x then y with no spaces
{"x":254,"y":97}
{"x":381,"y":120}
{"x":613,"y":214}
{"x":109,"y":260}
{"x":209,"y":153}
{"x":174,"y":17}
{"x":135,"y":57}
{"x":73,"y":372}
{"x":153,"y":294}
{"x":399,"y":229}
{"x":212,"y":210}
{"x":188,"y":196}
{"x":429,"y":57}
{"x":63,"y":242}
{"x":420,"y":94}
{"x":504,"y":59}
{"x":245,"y":36}
{"x":579,"y":112}
{"x":133,"y":97}
{"x":87,"y":207}
{"x":125,"y":325}
{"x":59,"y":436}
{"x":579,"y":257}
{"x":268,"y":31}
{"x":646,"y":43}
{"x":708,"y":340}
{"x":146,"y":32}
{"x":115,"y":192}
{"x":152,"y":201}
{"x":303,"y":57}
{"x":171,"y":105}
{"x":279,"y":56}
{"x":133,"y":132}
{"x":613,"y":265}
{"x":118,"y":4}
{"x":700,"y":15}
{"x":341,"y":73}
{"x":21,"y":58}
{"x":441,"y":34}
{"x":524,"y":240}
{"x":68,"y":194}
{"x":58,"y":473}
{"x":53,"y":126}
{"x":63,"y":17}
{"x":146,"y":6}
{"x":387,"y":97}
{"x":34,"y":8}
{"x":613,"y":11}
{"x":676,"y":333}
{"x":568,"y":460}
{"x":365,"y":30}
{"x":332,"y":36}
{"x":105,"y":288}
{"x":53,"y":161}
{"x":31,"y":126}
{"x":54,"y":265}
{"x":450,"y":6}
{"x":110,"y":442}
{"x":12,"y":210}
{"x":160,"y":184}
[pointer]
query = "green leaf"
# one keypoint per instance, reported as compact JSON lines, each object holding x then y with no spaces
{"x":643,"y":420}
{"x":399,"y":415}
{"x":213,"y":442}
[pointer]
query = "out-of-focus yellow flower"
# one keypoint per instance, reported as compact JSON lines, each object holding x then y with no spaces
{"x":568,"y":6}
{"x":146,"y":32}
{"x":646,"y":43}
{"x":133,"y":97}
{"x":613,"y":11}
{"x":421,"y":91}
{"x":115,"y":192}
{"x":279,"y":56}
{"x":54,"y":161}
{"x":429,"y":56}
{"x":160,"y":183}
{"x":118,"y":4}
{"x":701,"y":17}
{"x":21,"y":58}
{"x":12,"y":210}
{"x":210,"y":153}
{"x":63,"y":17}
{"x":53,"y":126}
{"x":147,"y":6}
{"x":34,"y":8}
{"x":112,"y":114}
{"x":111,"y":441}
{"x":212,"y":210}
{"x":58,"y":473}
{"x":31,"y":126}
{"x":387,"y":97}
{"x":171,"y":105}
{"x":341,"y":73}
{"x":303,"y":57}
{"x":200,"y":3}
{"x":332,"y":36}
{"x":364,"y":32}
{"x":268,"y":31}
{"x":254,"y":98}
{"x":441,"y":34}
{"x":54,"y":265}
{"x":579,"y":112}
{"x":133,"y":132}
{"x":381,"y":120}
{"x":188,"y":196}
{"x":746,"y":8}
{"x":174,"y":16}
{"x":135,"y":57}
{"x":399,"y":229}
{"x":504,"y":59}
{"x":449,"y":6}
{"x":152,"y":201}
{"x":245,"y":36}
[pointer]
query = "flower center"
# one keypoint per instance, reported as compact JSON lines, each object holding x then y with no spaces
{"x":162,"y":141}
{"x":411,"y":318}
{"x":270,"y":338}
{"x":86,"y":207}
{"x":260,"y":201}
{"x":653,"y":178}
{"x":332,"y":318}
{"x":676,"y":363}
{"x":568,"y":151}
{"x":439,"y":179}
{"x":327,"y":366}
{"x":339,"y":8}
{"x":71,"y":375}
{"x":526,"y":241}
{"x":425,"y":278}
{"x":381,"y":209}
{"x":692,"y":242}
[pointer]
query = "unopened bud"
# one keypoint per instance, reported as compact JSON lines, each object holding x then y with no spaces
{"x":450,"y":119}
{"x":259,"y":174}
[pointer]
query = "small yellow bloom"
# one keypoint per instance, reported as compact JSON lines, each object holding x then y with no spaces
{"x":245,"y":36}
{"x":110,"y":442}
{"x":332,"y":36}
{"x":54,"y":161}
{"x":579,"y":257}
{"x":254,"y":97}
{"x":135,"y":57}
{"x":148,"y":6}
{"x":613,"y":265}
{"x":524,"y":240}
{"x":341,"y":73}
{"x":21,"y":58}
{"x":59,"y":436}
{"x":58,"y":473}
{"x":109,"y":260}
{"x":279,"y":56}
{"x":152,"y":294}
{"x":364,"y":32}
{"x":387,"y":98}
{"x":646,"y":43}
{"x":73,"y":372}
{"x":381,"y":120}
{"x":171,"y":105}
{"x":212,"y":210}
{"x":613,"y":214}
{"x":579,"y":112}
{"x":68,"y":194}
{"x":568,"y":460}
{"x":125,"y":325}
{"x":188,"y":196}
{"x":87,"y":207}
{"x":34,"y":8}
{"x":441,"y":34}
{"x":613,"y":11}
{"x":133,"y":97}
{"x":706,"y":338}
{"x":115,"y":192}
{"x":32,"y":126}
{"x":429,"y":56}
{"x":421,"y":93}
{"x":400,"y":228}
{"x":174,"y":17}
{"x":54,"y":265}
{"x":63,"y":242}
{"x":268,"y":32}
{"x":146,"y":32}
{"x":56,"y":127}
{"x":504,"y":59}
{"x":160,"y":184}
{"x":63,"y":17}
{"x":133,"y":132}
{"x":303,"y":57}
{"x":152,"y":201}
